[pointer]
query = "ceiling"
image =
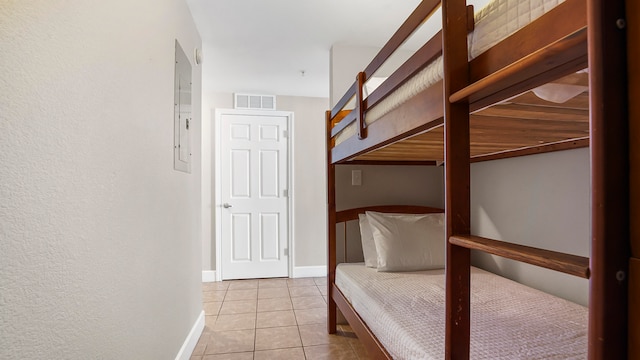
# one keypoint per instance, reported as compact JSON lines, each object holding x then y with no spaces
{"x":282,"y":47}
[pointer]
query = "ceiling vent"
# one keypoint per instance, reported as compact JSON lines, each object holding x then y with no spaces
{"x":255,"y":102}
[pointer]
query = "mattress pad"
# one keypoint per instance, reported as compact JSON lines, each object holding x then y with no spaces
{"x":406,"y":312}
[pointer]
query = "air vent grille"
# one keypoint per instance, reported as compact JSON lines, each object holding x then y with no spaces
{"x":255,"y":102}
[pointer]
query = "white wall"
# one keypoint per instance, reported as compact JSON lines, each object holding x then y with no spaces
{"x":541,"y":201}
{"x":210,"y":101}
{"x":348,"y":60}
{"x":99,"y":250}
{"x":309,"y":179}
{"x":308,"y":172}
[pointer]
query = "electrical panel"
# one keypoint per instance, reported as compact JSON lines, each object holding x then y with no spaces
{"x":182,"y":112}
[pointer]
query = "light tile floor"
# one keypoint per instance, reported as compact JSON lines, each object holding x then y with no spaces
{"x":264,"y":319}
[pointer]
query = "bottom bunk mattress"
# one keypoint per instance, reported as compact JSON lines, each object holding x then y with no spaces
{"x":406,"y":312}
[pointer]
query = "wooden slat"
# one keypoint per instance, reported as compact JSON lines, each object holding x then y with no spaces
{"x":349,"y":118}
{"x":608,"y":294}
{"x":352,"y":214}
{"x":518,"y":111}
{"x":420,"y":113}
{"x":417,"y":17}
{"x":532,"y":150}
{"x":581,"y":79}
{"x":510,"y":133}
{"x":537,"y":64}
{"x":392,"y":163}
{"x":495,"y":95}
{"x":351,"y":92}
{"x":489,"y":142}
{"x":425,"y":146}
{"x":529,"y":98}
{"x":566,"y":263}
{"x":500,"y":137}
{"x":418,"y":61}
{"x":338,"y":117}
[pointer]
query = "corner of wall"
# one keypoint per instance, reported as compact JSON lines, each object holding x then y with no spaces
{"x":208,"y":276}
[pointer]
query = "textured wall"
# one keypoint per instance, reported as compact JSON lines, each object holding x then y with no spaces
{"x":99,"y":236}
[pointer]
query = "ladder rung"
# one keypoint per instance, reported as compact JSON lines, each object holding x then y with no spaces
{"x":566,"y":263}
{"x":345,"y":121}
{"x":521,"y":70}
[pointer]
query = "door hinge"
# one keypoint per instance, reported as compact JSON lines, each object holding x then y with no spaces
{"x":285,"y":134}
{"x":286,"y":251}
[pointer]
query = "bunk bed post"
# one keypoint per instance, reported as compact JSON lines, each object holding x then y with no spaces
{"x":457,"y":178}
{"x":609,"y":179}
{"x":633,"y":57}
{"x":362,"y":129}
{"x":331,"y":241}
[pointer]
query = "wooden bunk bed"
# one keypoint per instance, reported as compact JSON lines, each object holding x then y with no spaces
{"x":482,"y":110}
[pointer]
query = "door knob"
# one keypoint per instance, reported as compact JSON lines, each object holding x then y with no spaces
{"x":226,"y":205}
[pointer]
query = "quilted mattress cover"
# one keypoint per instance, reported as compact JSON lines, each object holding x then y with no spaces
{"x":406,"y":312}
{"x":493,"y":23}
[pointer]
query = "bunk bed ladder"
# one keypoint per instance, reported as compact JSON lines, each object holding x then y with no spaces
{"x":607,"y":268}
{"x":609,"y":124}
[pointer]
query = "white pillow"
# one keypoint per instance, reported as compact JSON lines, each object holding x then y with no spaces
{"x":368,"y":245}
{"x":408,"y":242}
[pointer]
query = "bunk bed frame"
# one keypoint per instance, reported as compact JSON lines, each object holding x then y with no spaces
{"x":559,"y":43}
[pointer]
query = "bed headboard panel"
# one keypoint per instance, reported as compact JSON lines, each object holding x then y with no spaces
{"x":352,"y":214}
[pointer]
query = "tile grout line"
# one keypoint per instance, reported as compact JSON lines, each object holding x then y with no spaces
{"x":289,"y":287}
{"x":295,"y":318}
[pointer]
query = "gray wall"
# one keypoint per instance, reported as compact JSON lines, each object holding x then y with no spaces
{"x":541,"y":201}
{"x":100,"y":237}
{"x":308,"y":172}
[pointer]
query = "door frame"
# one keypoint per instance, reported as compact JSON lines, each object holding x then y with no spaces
{"x":218,"y":188}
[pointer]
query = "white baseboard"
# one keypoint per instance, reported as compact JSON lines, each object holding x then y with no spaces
{"x":192,"y":339}
{"x":298,"y":272}
{"x":208,"y":276}
{"x":309,"y":271}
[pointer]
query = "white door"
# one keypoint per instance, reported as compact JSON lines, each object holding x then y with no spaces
{"x":253,"y":195}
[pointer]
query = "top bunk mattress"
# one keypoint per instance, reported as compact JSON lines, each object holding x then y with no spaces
{"x":406,"y":312}
{"x":493,"y":23}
